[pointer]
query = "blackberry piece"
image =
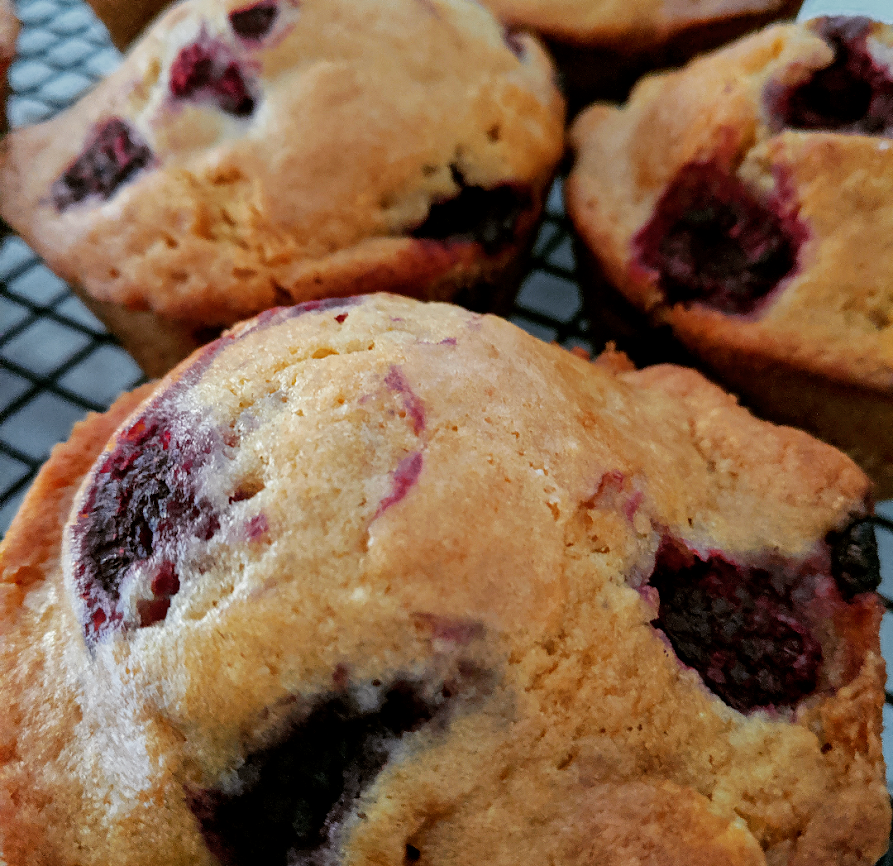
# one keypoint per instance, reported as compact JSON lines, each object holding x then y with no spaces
{"x":112,"y":157}
{"x":712,"y":241}
{"x":854,"y":94}
{"x":855,"y":564}
{"x":291,"y":798}
{"x":254,"y":22}
{"x":488,"y":217}
{"x":743,"y":628}
{"x":144,"y":500}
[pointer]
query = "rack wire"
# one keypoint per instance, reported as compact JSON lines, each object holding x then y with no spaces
{"x":57,"y":362}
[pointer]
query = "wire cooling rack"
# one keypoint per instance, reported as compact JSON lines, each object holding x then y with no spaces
{"x":57,"y":362}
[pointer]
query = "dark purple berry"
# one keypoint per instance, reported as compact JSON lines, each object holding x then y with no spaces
{"x":143,"y":502}
{"x":254,"y":22}
{"x":488,"y":217}
{"x":742,"y":628}
{"x":854,"y":94}
{"x":290,"y":799}
{"x":855,"y":564}
{"x":165,"y":585}
{"x":114,"y":154}
{"x":712,"y":241}
{"x":205,"y":71}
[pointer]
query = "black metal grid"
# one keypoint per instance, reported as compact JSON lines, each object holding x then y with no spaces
{"x":57,"y":362}
{"x":44,"y":390}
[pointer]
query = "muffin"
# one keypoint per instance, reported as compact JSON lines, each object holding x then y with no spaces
{"x":377,"y":581}
{"x":603,"y":46}
{"x":244,"y":157}
{"x":746,"y":203}
{"x":125,"y":21}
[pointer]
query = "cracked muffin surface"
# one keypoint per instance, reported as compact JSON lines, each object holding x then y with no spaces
{"x":745,"y":201}
{"x":250,"y":155}
{"x":376,"y":581}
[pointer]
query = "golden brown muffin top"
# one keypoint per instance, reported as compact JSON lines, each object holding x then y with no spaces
{"x":240,"y":151}
{"x":757,"y":123}
{"x":449,"y":549}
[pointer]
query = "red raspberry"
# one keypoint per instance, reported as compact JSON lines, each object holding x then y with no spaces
{"x":712,"y":241}
{"x":206,"y":71}
{"x":115,"y":153}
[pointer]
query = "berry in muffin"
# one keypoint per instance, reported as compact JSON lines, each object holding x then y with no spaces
{"x":114,"y":154}
{"x":713,"y":241}
{"x":206,"y":70}
{"x":853,"y":94}
{"x":254,"y":22}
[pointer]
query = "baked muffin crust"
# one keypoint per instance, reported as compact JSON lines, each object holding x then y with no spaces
{"x":341,"y":147}
{"x":424,"y":532}
{"x":803,"y":186}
